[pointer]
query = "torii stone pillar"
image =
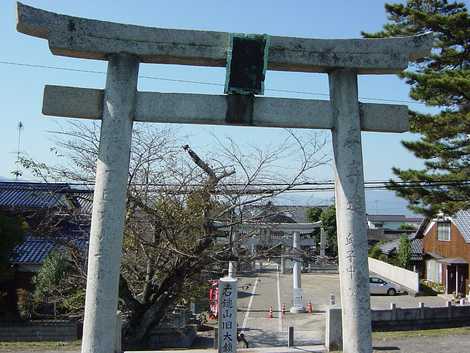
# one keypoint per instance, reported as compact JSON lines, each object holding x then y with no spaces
{"x":124,"y":46}
{"x":297,"y":293}
{"x":294,"y":228}
{"x":351,"y":212}
{"x":109,"y":202}
{"x":322,"y":241}
{"x":283,"y":262}
{"x":297,"y":264}
{"x":253,"y":255}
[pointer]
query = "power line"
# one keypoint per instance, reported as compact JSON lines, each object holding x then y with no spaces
{"x":160,"y":78}
{"x":38,"y":66}
{"x":306,"y":183}
{"x":270,"y":188}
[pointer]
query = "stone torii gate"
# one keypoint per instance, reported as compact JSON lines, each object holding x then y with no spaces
{"x":119,"y":104}
{"x":295,"y":229}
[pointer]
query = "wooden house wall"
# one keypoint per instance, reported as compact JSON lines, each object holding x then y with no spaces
{"x":456,"y":247}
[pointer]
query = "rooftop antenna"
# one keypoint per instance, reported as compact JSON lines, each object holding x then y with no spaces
{"x":17,"y":173}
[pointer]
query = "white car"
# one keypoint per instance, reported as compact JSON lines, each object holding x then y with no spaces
{"x":379,"y":286}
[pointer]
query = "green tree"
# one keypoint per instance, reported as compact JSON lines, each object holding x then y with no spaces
{"x":12,"y":231}
{"x":328,"y":219}
{"x":313,"y":215}
{"x":442,"y":80}
{"x":51,"y":274}
{"x":407,"y":226}
{"x":404,"y":251}
{"x":59,"y":280}
{"x":375,"y":251}
{"x":384,"y":258}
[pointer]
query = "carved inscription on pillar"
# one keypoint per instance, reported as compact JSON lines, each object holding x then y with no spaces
{"x":227,"y":342}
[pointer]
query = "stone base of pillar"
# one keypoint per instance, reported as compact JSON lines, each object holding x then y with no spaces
{"x":297,"y":301}
{"x":297,"y":309}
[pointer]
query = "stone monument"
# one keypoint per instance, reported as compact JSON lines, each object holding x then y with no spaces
{"x":227,"y":334}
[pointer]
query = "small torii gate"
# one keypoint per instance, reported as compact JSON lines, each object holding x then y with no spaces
{"x":295,"y":229}
{"x":119,"y":104}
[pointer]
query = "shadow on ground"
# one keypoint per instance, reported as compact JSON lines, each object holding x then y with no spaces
{"x":386,"y":349}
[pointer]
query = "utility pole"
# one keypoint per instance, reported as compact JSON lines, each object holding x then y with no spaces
{"x":17,"y":172}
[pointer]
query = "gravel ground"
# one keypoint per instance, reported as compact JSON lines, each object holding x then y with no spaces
{"x":417,"y":344}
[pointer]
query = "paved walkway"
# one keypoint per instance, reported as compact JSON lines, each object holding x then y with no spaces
{"x":307,"y":349}
{"x":268,"y":290}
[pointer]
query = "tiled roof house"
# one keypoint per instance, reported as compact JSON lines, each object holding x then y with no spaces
{"x":37,"y":200}
{"x":58,"y":204}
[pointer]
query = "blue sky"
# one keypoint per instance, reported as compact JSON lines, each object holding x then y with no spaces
{"x":22,"y":86}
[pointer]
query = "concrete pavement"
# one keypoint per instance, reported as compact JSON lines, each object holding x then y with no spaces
{"x":260,"y":291}
{"x":268,"y":290}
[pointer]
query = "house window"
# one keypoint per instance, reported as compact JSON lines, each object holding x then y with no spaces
{"x":443,"y":231}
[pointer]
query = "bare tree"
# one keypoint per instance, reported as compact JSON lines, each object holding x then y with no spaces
{"x":176,"y":203}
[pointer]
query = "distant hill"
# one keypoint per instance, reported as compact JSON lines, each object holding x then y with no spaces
{"x":2,"y":178}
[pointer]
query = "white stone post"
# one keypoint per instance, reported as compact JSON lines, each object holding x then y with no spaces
{"x":231,"y":269}
{"x":350,"y":212}
{"x":227,"y":333}
{"x":235,"y":247}
{"x":297,"y":292}
{"x":322,"y":241}
{"x":297,"y":282}
{"x":283,"y":262}
{"x":109,"y":204}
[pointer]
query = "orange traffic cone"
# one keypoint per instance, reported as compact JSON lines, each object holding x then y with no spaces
{"x":310,"y":307}
{"x":283,"y":312}
{"x":270,"y":313}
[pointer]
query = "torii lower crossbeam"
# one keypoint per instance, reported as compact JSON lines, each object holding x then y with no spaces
{"x":188,"y":108}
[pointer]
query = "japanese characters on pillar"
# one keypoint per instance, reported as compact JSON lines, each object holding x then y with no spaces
{"x":298,"y":299}
{"x":227,"y":315}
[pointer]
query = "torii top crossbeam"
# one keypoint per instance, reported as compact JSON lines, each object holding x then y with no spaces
{"x":92,"y":39}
